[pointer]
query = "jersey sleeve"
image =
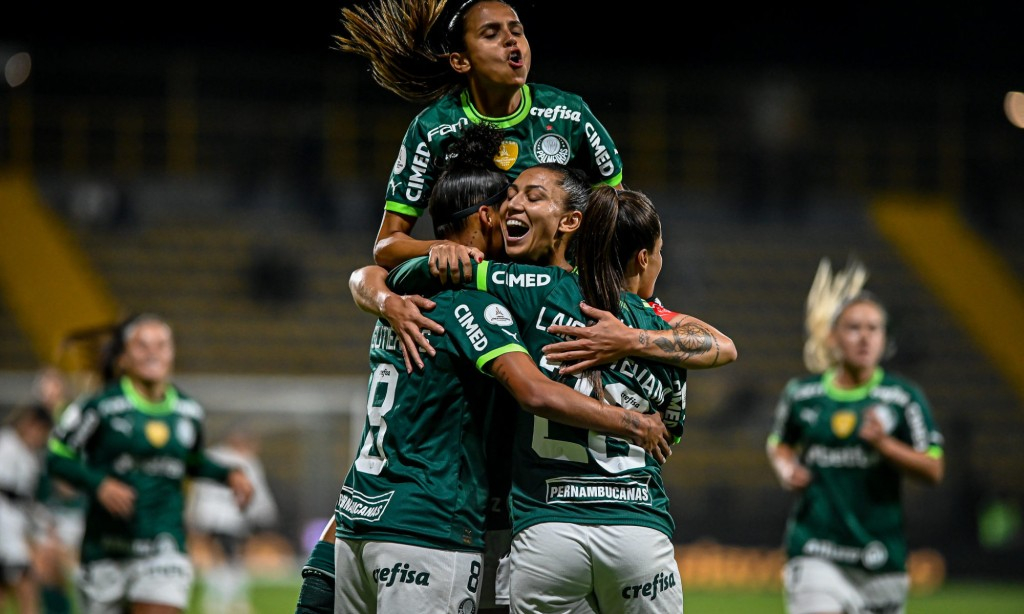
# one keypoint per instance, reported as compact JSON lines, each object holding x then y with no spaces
{"x":918,"y":428}
{"x":413,"y":277}
{"x":68,"y":444}
{"x":482,"y":328}
{"x":664,"y":313}
{"x":199,"y":463}
{"x":783,"y":428}
{"x":414,"y":172}
{"x":598,"y":148}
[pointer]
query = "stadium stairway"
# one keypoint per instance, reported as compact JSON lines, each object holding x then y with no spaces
{"x":48,"y":284}
{"x":240,"y":303}
{"x":964,"y":272}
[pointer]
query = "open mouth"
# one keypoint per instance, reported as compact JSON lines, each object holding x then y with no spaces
{"x":516,"y":229}
{"x":516,"y":58}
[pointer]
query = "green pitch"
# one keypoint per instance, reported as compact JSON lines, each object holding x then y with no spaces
{"x":955,"y":598}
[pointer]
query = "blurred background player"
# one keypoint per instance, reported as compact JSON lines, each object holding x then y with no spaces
{"x":220,"y":529}
{"x":131,"y":447}
{"x":58,"y":540}
{"x":22,"y":444}
{"x":843,"y":438}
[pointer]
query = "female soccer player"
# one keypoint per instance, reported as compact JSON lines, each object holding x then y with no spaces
{"x":130,"y":447}
{"x":470,"y":61}
{"x":843,"y":438}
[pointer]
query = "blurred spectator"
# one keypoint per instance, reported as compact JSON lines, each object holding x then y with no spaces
{"x":22,"y":442}
{"x":221,"y":531}
{"x":56,"y":554}
{"x":99,"y":204}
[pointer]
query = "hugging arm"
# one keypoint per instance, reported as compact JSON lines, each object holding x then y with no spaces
{"x":689,"y":344}
{"x":404,"y":312}
{"x":539,"y":395}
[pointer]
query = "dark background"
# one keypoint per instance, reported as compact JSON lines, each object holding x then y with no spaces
{"x":967,"y":40}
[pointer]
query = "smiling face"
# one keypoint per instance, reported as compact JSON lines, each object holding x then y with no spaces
{"x":497,"y":53}
{"x":535,"y":222}
{"x":859,"y":336}
{"x":148,"y":352}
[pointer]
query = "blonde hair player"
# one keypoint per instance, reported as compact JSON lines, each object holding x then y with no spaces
{"x":843,"y":438}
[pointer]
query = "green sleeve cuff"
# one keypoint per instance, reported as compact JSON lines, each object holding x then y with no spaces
{"x":62,"y":462}
{"x":203,"y":467}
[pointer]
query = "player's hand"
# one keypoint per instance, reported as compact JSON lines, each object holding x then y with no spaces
{"x":405,"y":314}
{"x":794,"y":476}
{"x":871,"y":429}
{"x":453,"y":262}
{"x":241,"y":487}
{"x":653,"y":436}
{"x":602,"y":342}
{"x":117,"y":497}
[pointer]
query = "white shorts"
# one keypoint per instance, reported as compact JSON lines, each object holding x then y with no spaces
{"x":15,"y":531}
{"x":577,"y":569}
{"x":70,"y":527}
{"x":818,"y":585}
{"x":106,"y":586}
{"x":384,"y":577}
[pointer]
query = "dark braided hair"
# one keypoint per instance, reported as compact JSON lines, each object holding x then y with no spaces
{"x":470,"y":178}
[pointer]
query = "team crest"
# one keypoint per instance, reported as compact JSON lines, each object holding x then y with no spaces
{"x":157,"y":433}
{"x":507,"y":155}
{"x":843,"y":423}
{"x":551,"y":148}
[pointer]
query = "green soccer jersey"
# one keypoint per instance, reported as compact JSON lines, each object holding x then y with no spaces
{"x":152,"y":447}
{"x":550,"y":125}
{"x":851,"y":512}
{"x":419,"y":476}
{"x":562,"y":473}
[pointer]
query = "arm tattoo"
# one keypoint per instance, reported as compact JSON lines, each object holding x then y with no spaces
{"x":688,"y":340}
{"x":630,"y":420}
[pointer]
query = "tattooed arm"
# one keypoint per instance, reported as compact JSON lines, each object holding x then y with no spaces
{"x":689,"y":344}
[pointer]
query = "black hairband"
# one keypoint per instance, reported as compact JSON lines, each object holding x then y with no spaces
{"x":490,"y":201}
{"x":458,"y":12}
